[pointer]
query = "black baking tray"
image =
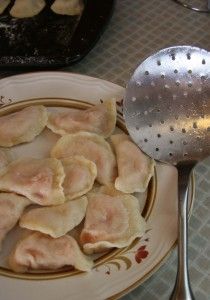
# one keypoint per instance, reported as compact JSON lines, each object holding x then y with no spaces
{"x":49,"y":40}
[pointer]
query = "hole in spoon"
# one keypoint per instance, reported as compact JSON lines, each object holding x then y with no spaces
{"x":195,"y":125}
{"x":173,"y":56}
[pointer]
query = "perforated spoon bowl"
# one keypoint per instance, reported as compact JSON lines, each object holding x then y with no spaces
{"x":167,"y":114}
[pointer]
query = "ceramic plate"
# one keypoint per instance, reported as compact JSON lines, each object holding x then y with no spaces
{"x":118,"y":271}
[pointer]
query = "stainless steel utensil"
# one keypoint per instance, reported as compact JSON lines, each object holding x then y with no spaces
{"x":199,"y":6}
{"x":167,"y":114}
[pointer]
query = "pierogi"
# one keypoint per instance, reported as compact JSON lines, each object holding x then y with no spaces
{"x":39,"y":251}
{"x":11,"y":208}
{"x":3,"y":159}
{"x":135,"y":169}
{"x":93,"y":147}
{"x":111,"y":222}
{"x":55,"y":220}
{"x":27,"y":8}
{"x":100,"y":119}
{"x":22,"y":126}
{"x":80,"y":174}
{"x":67,"y":7}
{"x":40,"y":180}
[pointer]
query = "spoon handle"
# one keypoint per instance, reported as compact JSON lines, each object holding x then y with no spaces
{"x":182,"y":289}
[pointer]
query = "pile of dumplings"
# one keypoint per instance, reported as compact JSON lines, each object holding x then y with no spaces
{"x":31,"y":8}
{"x":87,"y":180}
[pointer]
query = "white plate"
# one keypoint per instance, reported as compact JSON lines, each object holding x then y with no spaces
{"x":121,"y":271}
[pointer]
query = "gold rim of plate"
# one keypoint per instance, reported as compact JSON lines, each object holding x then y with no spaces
{"x":65,"y":272}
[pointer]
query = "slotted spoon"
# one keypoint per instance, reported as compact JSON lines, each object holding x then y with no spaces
{"x":167,"y":114}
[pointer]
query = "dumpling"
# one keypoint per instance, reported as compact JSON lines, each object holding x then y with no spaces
{"x":100,"y":119}
{"x":67,"y":7}
{"x":27,"y":8}
{"x":135,"y":169}
{"x":11,"y":208}
{"x":39,"y":251}
{"x":40,"y":180}
{"x":22,"y":126}
{"x":80,"y":174}
{"x":3,"y":5}
{"x":92,"y":147}
{"x":3,"y":159}
{"x":111,"y":221}
{"x":55,"y":220}
{"x":110,"y":190}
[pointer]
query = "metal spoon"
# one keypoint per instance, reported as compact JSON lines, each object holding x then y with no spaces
{"x":203,"y":6}
{"x":167,"y":114}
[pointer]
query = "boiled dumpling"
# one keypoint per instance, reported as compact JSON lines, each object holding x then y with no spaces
{"x":93,"y":147}
{"x":80,"y":174}
{"x":3,"y":5}
{"x":39,"y":251}
{"x":55,"y":220}
{"x":40,"y":180}
{"x":111,"y":221}
{"x":135,"y":169}
{"x":3,"y":159}
{"x":22,"y":126}
{"x":67,"y":7}
{"x":27,"y":8}
{"x":109,"y":190}
{"x":100,"y":119}
{"x":11,"y":208}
